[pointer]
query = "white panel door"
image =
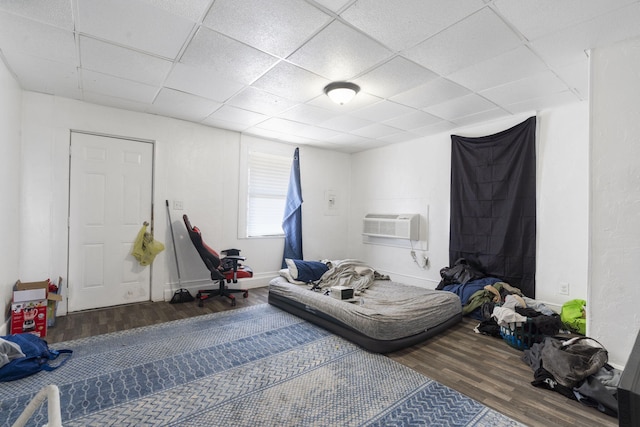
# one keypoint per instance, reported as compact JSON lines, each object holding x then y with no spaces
{"x":110,"y":198}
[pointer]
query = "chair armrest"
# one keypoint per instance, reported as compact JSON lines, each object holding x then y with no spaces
{"x":233,"y":257}
{"x":231,"y":252}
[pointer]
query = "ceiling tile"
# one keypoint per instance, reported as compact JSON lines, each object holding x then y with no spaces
{"x":182,"y":105}
{"x":261,"y":102}
{"x":227,"y":57}
{"x":319,"y":134}
{"x":60,"y":79}
{"x":279,"y":28}
{"x":221,"y":124}
{"x":375,"y":130}
{"x":283,"y":126}
{"x":538,"y":18}
{"x":568,"y":46}
{"x":231,"y":114}
{"x":576,"y":75}
{"x":542,"y":102}
{"x":193,"y":10}
{"x":117,"y":87}
{"x":478,"y":37}
{"x":460,"y":107}
{"x":345,"y":123}
{"x":202,"y":82}
{"x":120,"y":62}
{"x":362,"y":99}
{"x":339,"y":52}
{"x":344,"y":138}
{"x":115,"y":102}
{"x":291,"y":82}
{"x":33,"y":38}
{"x":485,"y":116}
{"x":402,"y":26}
{"x":382,"y":111}
{"x":393,"y":77}
{"x":334,"y":5}
{"x":413,"y":120}
{"x":306,"y":113}
{"x":434,"y":92}
{"x":533,"y":87}
{"x":434,"y":129}
{"x":399,"y":137}
{"x":270,"y":134}
{"x":135,"y":24}
{"x":513,"y":65}
{"x":53,"y":12}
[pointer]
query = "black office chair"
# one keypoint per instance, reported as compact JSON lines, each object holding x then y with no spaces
{"x":228,"y":269}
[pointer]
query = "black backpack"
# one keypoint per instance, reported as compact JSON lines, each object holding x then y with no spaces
{"x":460,"y":272}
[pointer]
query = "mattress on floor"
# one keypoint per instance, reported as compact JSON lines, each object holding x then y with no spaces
{"x":385,"y":317}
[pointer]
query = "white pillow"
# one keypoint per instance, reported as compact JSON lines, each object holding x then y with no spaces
{"x":285,"y":273}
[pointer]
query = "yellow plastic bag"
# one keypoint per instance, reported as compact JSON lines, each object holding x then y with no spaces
{"x":145,"y":247}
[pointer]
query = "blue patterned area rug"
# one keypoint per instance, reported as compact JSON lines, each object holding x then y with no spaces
{"x":246,"y":367}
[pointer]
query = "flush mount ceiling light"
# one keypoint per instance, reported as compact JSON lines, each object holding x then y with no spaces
{"x":341,"y":92}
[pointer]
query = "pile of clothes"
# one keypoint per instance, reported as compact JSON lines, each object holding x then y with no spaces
{"x":497,"y":304}
{"x":511,"y":310}
{"x":577,"y":368}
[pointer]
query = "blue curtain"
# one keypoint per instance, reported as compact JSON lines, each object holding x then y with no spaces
{"x":292,"y":221}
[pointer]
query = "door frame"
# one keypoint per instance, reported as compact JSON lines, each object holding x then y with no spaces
{"x":153,"y":185}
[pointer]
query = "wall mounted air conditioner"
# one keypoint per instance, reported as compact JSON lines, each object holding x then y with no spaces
{"x":396,"y":226}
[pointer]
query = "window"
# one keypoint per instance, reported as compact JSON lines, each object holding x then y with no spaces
{"x":265,"y":169}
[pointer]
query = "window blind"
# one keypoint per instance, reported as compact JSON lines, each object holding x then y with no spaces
{"x":267,"y":192}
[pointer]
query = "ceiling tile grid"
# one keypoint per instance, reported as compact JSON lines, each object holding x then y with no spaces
{"x":260,"y":66}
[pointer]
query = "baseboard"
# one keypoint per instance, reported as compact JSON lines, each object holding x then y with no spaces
{"x":411,"y":280}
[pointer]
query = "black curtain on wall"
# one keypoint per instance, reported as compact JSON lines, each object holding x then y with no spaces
{"x":493,"y":204}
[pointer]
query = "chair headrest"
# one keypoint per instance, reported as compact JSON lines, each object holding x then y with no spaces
{"x":203,"y":249}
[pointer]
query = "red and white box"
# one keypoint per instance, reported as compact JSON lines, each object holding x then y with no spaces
{"x":29,"y":312}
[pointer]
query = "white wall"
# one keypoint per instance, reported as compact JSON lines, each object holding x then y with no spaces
{"x":10,"y":102}
{"x":563,"y":203}
{"x":415,"y":177}
{"x":412,"y":177}
{"x":614,"y":318}
{"x":195,"y":164}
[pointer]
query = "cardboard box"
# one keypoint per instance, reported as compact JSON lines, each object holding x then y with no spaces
{"x":44,"y":284}
{"x":52,"y":304}
{"x":29,"y":312}
{"x":33,"y":307}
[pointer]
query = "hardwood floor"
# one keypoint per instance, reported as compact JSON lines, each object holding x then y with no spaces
{"x":481,"y":367}
{"x":490,"y":371}
{"x":101,"y":321}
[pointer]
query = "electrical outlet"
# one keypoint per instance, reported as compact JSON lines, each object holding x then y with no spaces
{"x":564,"y":288}
{"x":177,"y":205}
{"x":421,"y":260}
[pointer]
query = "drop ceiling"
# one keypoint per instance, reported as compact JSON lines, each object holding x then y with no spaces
{"x":259,"y":66}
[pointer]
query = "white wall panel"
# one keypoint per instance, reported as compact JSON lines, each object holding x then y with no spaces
{"x":10,"y":108}
{"x":613,"y":317}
